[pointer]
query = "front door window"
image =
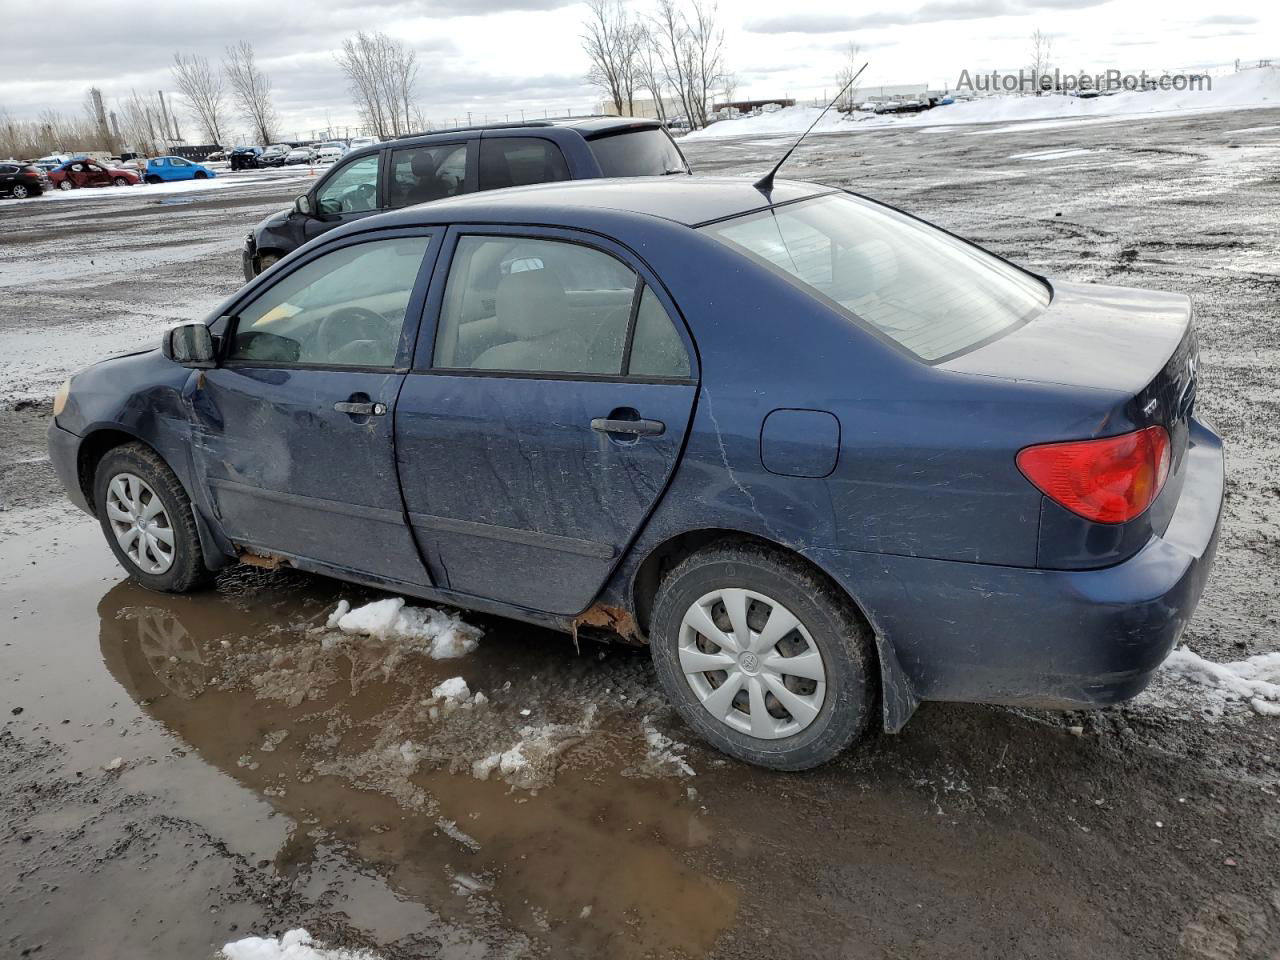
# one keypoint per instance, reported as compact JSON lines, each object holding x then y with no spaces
{"x":353,"y":189}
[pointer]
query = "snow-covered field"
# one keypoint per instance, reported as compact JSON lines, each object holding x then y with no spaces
{"x":1241,"y":91}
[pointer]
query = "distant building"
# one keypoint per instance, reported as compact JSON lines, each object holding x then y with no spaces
{"x":751,"y":106}
{"x":644,"y":108}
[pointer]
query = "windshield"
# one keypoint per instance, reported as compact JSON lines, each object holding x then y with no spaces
{"x":929,"y":292}
{"x":648,"y":152}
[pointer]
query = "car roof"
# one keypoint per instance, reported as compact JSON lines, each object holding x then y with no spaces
{"x":681,"y":199}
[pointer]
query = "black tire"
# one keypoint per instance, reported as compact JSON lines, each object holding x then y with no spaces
{"x":268,"y":259}
{"x":120,"y":182}
{"x":20,"y":191}
{"x":66,"y":184}
{"x":833,"y":623}
{"x":201,"y":175}
{"x":152,"y":178}
{"x":187,"y":570}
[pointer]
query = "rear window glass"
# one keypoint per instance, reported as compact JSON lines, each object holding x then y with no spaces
{"x":931,"y":293}
{"x":637,"y":153}
{"x":514,"y":161}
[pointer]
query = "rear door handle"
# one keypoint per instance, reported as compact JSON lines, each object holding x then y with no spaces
{"x":643,"y":428}
{"x":361,"y":409}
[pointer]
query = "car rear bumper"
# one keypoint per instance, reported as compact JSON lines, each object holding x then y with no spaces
{"x":1052,"y":638}
{"x":64,"y":454}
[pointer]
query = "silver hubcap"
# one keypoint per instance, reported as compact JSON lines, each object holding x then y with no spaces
{"x":752,"y":664}
{"x":140,"y":523}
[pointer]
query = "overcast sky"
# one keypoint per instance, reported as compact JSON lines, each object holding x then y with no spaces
{"x":496,"y":57}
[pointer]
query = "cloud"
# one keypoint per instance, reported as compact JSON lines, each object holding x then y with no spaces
{"x":934,"y":12}
{"x":1226,"y":19}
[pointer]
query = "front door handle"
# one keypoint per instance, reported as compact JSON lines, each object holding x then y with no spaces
{"x":642,"y":428}
{"x":361,"y":409}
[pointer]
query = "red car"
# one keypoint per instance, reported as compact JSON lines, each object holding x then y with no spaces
{"x":91,"y":173}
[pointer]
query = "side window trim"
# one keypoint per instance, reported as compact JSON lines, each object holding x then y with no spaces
{"x":413,"y":316}
{"x":422,"y":361}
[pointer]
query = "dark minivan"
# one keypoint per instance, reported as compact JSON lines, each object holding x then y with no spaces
{"x":449,"y":163}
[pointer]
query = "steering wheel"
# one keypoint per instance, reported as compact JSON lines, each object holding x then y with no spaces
{"x":359,"y":197}
{"x":349,"y":324}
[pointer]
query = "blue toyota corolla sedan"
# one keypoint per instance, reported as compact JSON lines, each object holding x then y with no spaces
{"x":825,"y":459}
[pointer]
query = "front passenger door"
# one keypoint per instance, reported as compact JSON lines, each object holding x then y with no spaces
{"x":292,"y":431}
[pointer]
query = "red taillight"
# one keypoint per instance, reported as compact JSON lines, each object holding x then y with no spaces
{"x":1111,"y":480}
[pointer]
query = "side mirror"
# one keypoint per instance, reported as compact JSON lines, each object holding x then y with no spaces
{"x":303,"y":205}
{"x":190,"y":345}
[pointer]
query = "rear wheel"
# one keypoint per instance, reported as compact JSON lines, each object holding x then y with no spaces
{"x":66,"y":184}
{"x":20,"y":191}
{"x":147,"y":519}
{"x":763,"y":657}
{"x":152,"y":178}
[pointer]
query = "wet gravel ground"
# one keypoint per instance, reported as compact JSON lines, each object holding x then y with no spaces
{"x":274,"y":775}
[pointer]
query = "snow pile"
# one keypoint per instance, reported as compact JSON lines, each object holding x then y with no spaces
{"x":1240,"y":91}
{"x":663,"y":755}
{"x":533,"y":760}
{"x":1256,"y":680}
{"x":440,"y":635}
{"x":294,"y":945}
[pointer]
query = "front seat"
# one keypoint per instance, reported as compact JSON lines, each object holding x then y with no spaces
{"x":428,"y":185}
{"x":533,"y":310}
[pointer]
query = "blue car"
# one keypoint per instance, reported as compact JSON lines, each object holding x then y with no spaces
{"x":167,"y":169}
{"x":825,"y":459}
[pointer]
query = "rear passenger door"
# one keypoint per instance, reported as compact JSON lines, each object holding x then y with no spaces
{"x":545,"y":416}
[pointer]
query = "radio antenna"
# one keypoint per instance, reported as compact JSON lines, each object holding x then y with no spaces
{"x":765,"y":183}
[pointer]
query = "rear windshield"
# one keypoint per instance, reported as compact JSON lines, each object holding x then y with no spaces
{"x":648,"y":152}
{"x":931,"y":293}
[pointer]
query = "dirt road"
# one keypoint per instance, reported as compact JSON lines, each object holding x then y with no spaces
{"x":275,"y":772}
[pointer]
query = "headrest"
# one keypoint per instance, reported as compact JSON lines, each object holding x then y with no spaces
{"x":532,"y":304}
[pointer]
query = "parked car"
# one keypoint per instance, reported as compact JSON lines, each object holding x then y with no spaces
{"x":273,"y":156}
{"x":827,"y":460}
{"x":357,"y":142}
{"x":429,"y":167}
{"x":299,"y":155}
{"x":216,"y":156}
{"x":330,"y":152}
{"x":168,"y":169}
{"x":90,"y":173}
{"x":21,"y":180}
{"x":245,"y":158}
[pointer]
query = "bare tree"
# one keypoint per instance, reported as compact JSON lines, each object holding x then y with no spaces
{"x":670,"y":45}
{"x":706,"y":41}
{"x":649,"y":75}
{"x":251,"y":89}
{"x":611,"y":40}
{"x":848,"y":70}
{"x":1041,"y":58}
{"x":382,"y":73}
{"x":202,"y":86}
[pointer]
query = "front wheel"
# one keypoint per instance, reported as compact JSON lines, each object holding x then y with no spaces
{"x":66,"y":185}
{"x":764,"y":658}
{"x":201,"y":175}
{"x":120,"y":182}
{"x":147,"y":519}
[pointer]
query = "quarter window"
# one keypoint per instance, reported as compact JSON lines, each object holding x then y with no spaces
{"x":345,"y":308}
{"x":353,"y":189}
{"x":423,"y":174}
{"x":656,"y":350}
{"x":520,"y":304}
{"x":514,"y":161}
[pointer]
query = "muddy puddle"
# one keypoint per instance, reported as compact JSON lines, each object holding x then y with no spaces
{"x":180,"y":772}
{"x":546,"y":802}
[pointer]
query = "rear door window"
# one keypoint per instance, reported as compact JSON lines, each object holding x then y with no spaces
{"x":649,"y":152}
{"x":515,"y":161}
{"x":423,"y":174}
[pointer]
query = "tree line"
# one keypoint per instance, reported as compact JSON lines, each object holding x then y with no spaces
{"x":381,"y":74}
{"x":673,"y":54}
